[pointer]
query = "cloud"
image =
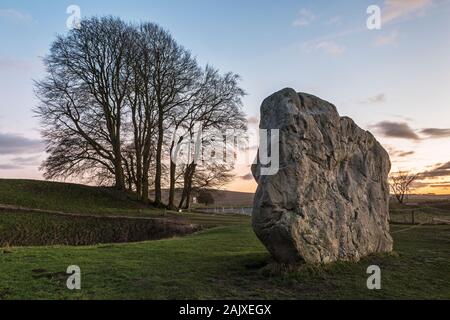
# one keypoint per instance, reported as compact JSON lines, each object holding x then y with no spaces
{"x":304,"y":18}
{"x":402,"y":130}
{"x":330,"y":47}
{"x":15,"y":64}
{"x":392,"y":10}
{"x":399,"y":9}
{"x":20,"y":162}
{"x":386,"y":40}
{"x":395,"y":153}
{"x":440,"y":185}
{"x":336,"y":20}
{"x":16,"y":15}
{"x":439,"y":171}
{"x":436,"y":177}
{"x":11,"y":144}
{"x":26,"y":161}
{"x":419,"y":184}
{"x":8,"y":167}
{"x":405,"y":154}
{"x":247,"y":177}
{"x":401,"y":154}
{"x":399,"y":130}
{"x":379,"y":98}
{"x":435,"y":133}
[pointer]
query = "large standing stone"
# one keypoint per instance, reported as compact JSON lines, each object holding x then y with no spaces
{"x":329,"y":200}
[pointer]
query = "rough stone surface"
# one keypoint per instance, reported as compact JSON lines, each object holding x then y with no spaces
{"x":329,"y":200}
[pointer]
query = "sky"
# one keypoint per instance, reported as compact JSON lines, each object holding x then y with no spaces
{"x":393,"y":81}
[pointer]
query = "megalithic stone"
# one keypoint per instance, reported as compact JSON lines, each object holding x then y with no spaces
{"x":329,"y":200}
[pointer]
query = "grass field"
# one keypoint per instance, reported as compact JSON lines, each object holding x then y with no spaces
{"x":225,"y":261}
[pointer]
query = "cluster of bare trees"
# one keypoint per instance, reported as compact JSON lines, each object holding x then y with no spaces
{"x":115,"y":96}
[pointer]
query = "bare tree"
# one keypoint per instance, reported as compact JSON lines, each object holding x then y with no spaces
{"x":211,"y":94}
{"x":143,"y":114}
{"x":173,"y":74}
{"x":82,"y":98}
{"x":113,"y":98}
{"x":220,"y":111}
{"x":401,"y":182}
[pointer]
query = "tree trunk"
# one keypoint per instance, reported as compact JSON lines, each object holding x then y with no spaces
{"x":146,"y":161}
{"x":173,"y":171}
{"x":120,"y":180}
{"x":183,"y":197}
{"x":118,"y":170}
{"x":145,"y":187}
{"x":185,"y":183}
{"x":138,"y":175}
{"x":158,"y":171}
{"x":187,"y":187}
{"x":173,"y":168}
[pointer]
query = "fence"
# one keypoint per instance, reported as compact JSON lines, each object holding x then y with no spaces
{"x":412,"y":216}
{"x":422,"y":215}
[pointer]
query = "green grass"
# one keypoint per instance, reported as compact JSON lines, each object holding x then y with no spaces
{"x":224,"y":262}
{"x":68,"y":197}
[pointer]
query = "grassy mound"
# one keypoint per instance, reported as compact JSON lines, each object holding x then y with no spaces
{"x":69,"y":197}
{"x":100,"y":216}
